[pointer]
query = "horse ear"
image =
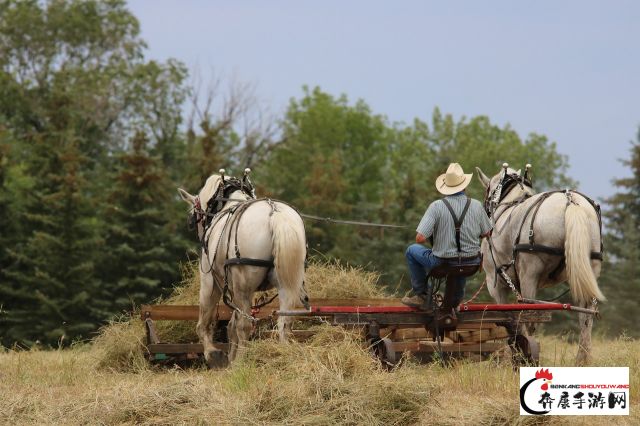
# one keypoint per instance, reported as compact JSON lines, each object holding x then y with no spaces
{"x":484,"y":180}
{"x":187,"y":197}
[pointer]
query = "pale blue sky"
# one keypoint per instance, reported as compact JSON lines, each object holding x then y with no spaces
{"x":566,"y":69}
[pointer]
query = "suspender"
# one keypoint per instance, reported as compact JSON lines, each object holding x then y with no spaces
{"x":458,"y":222}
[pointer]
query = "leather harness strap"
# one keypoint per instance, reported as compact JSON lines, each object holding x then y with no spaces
{"x":550,"y":250}
{"x":532,"y":247}
{"x":248,"y":261}
{"x":458,"y":221}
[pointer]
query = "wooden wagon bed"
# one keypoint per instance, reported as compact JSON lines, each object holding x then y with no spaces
{"x":390,"y":327}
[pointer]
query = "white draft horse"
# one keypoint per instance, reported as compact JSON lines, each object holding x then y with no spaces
{"x":248,"y":244}
{"x":540,"y":240}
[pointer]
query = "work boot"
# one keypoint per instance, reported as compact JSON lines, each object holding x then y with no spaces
{"x":427,"y":306}
{"x":415,"y":301}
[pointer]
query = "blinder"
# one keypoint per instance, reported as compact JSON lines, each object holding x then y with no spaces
{"x":508,"y":182}
{"x":229,"y":186}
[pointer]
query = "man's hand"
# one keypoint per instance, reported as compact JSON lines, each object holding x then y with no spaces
{"x":420,"y":239}
{"x":487,"y":235}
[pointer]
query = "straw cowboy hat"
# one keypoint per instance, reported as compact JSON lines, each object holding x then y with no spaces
{"x":455,"y":180}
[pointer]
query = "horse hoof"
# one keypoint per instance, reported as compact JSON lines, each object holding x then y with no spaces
{"x":216,"y":360}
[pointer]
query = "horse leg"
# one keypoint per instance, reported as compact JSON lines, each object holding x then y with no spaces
{"x":240,"y":325}
{"x":287,"y":303}
{"x":533,"y":270}
{"x":586,"y":324}
{"x":498,"y":291}
{"x":209,"y":297}
{"x":233,"y":336}
{"x":584,"y":346}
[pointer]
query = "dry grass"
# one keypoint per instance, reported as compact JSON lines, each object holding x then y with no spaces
{"x":324,"y":279}
{"x":119,"y":345}
{"x":330,"y":380}
{"x":331,"y":280}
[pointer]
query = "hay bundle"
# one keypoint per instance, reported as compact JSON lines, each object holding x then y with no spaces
{"x":330,"y":379}
{"x":120,"y":344}
{"x":330,"y":280}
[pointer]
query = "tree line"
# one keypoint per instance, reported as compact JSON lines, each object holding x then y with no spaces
{"x":95,"y":138}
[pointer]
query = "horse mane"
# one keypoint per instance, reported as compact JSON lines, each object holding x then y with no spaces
{"x":209,"y":189}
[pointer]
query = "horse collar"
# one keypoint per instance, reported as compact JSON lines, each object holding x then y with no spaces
{"x":506,"y":184}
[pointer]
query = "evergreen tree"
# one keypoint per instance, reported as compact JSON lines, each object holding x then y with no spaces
{"x":143,"y":245}
{"x":73,"y":85}
{"x":620,"y":281}
{"x":55,"y":295}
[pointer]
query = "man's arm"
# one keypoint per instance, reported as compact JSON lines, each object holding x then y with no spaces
{"x":485,"y":224}
{"x":426,"y":225}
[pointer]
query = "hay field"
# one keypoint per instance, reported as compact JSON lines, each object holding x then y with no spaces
{"x":331,"y":379}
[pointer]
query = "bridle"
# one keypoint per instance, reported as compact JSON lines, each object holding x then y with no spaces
{"x":216,"y":203}
{"x":508,"y":181}
{"x":196,"y":215}
{"x":494,"y":198}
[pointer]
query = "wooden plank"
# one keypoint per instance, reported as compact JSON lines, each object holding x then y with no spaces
{"x":152,"y":332}
{"x":415,"y":318}
{"x":406,"y":333}
{"x":505,"y":316}
{"x":190,"y":312}
{"x":169,"y":312}
{"x":175,"y":348}
{"x":430,"y":347}
{"x":411,"y":346}
{"x":466,"y":336}
{"x":476,"y":326}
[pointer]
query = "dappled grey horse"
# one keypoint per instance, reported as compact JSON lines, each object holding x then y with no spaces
{"x":540,"y":240}
{"x":248,"y":244}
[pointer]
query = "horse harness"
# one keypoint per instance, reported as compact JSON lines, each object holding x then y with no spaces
{"x":493,"y":201}
{"x":213,"y":214}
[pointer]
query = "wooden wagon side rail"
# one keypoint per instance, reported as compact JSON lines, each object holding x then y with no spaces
{"x":476,"y":330}
{"x":329,"y":307}
{"x":190,"y":312}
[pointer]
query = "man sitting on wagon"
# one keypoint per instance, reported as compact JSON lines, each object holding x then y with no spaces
{"x":454,"y":226}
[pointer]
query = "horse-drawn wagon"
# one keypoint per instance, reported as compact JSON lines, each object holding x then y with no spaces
{"x":473,"y":330}
{"x":270,"y":235}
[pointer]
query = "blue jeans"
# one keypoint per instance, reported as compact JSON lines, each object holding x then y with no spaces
{"x":421,"y":260}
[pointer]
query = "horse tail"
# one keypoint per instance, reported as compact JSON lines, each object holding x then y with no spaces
{"x":289,"y":253}
{"x":577,"y":252}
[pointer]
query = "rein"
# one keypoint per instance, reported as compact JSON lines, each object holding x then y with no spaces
{"x":214,"y":213}
{"x":493,"y":202}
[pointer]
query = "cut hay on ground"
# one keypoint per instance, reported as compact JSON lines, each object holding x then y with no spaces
{"x":329,"y":380}
{"x":120,"y":344}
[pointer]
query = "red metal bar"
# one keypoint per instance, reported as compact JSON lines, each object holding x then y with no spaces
{"x":463,"y":308}
{"x":362,"y":309}
{"x":515,"y":307}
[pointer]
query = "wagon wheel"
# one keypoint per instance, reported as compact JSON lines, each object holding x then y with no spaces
{"x":384,"y":351}
{"x":526,"y":351}
{"x":389,"y":357}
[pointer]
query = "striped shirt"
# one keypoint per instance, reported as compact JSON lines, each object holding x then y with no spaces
{"x":437,"y":221}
